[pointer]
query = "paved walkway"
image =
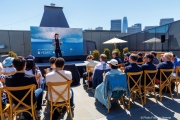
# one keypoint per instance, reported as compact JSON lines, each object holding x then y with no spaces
{"x":87,"y":108}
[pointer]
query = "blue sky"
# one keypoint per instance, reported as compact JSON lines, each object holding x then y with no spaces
{"x":21,"y":14}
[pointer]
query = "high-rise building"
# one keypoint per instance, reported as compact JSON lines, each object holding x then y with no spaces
{"x":133,"y":29}
{"x":116,"y":24}
{"x":124,"y":25}
{"x":149,"y":27}
{"x":99,"y":28}
{"x":138,"y":25}
{"x":166,"y":21}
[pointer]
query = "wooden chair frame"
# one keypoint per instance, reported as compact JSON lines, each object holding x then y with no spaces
{"x":21,"y":106}
{"x":140,"y":63}
{"x":136,"y":87}
{"x":88,"y":70}
{"x":7,"y":107}
{"x":166,"y":83}
{"x":38,"y":79}
{"x":56,"y":103}
{"x":121,"y":100}
{"x":177,"y":80}
{"x":151,"y":84}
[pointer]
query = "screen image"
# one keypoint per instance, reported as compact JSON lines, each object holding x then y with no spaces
{"x":42,"y":41}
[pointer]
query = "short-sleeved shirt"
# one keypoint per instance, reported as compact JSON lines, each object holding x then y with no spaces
{"x":133,"y":68}
{"x":148,"y":66}
{"x":55,"y":77}
{"x":164,"y":65}
{"x":18,"y":80}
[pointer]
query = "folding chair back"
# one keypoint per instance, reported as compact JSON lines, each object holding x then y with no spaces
{"x":21,"y":106}
{"x":5,"y":108}
{"x":165,"y":81}
{"x":136,"y":87}
{"x":60,"y":100}
{"x":151,"y":75}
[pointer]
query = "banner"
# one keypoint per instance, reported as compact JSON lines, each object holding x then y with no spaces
{"x":42,"y":46}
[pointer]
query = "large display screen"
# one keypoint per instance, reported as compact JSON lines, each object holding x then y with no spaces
{"x":42,"y":41}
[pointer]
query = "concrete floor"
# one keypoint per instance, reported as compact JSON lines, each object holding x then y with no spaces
{"x":87,"y":108}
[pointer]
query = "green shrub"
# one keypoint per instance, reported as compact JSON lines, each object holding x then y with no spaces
{"x":117,"y":50}
{"x":107,"y":52}
{"x":96,"y":54}
{"x":12,"y":54}
{"x":125,"y":50}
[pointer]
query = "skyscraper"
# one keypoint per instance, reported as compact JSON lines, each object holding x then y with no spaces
{"x":133,"y":29}
{"x":125,"y":25}
{"x":138,"y":25}
{"x":116,"y":24}
{"x":166,"y":21}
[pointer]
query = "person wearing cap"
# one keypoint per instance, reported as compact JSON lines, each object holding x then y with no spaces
{"x":56,"y":43}
{"x":148,"y":59}
{"x":110,"y":78}
{"x":126,"y":59}
{"x":133,"y":67}
{"x":30,"y":57}
{"x":140,"y":59}
{"x":8,"y":65}
{"x":115,"y":56}
{"x":155,"y":60}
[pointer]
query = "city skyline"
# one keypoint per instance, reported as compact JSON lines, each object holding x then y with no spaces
{"x":21,"y":16}
{"x":124,"y":25}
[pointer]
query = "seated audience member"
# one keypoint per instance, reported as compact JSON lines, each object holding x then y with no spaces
{"x":133,"y":67}
{"x":140,"y":59}
{"x":52,"y":61}
{"x":176,"y":62}
{"x":148,"y":59}
{"x":33,"y":71}
{"x":91,"y":62}
{"x":161,"y":58}
{"x":126,"y":59}
{"x":1,"y":68}
{"x":155,"y":60}
{"x":167,"y":64}
{"x":113,"y":77}
{"x":115,"y":56}
{"x":8,"y":66}
{"x":55,"y":77}
{"x":30,"y":57}
{"x":20,"y":79}
{"x":102,"y":65}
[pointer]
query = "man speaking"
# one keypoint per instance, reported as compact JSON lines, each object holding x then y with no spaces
{"x":56,"y":43}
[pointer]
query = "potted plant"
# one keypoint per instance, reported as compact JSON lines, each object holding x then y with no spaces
{"x":125,"y":50}
{"x":107,"y":52}
{"x":96,"y":54}
{"x":12,"y":54}
{"x":117,"y":50}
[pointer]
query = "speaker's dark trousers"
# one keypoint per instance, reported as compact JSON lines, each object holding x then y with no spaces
{"x":58,"y":51}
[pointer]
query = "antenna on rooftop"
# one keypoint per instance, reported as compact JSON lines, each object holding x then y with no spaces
{"x":52,"y":4}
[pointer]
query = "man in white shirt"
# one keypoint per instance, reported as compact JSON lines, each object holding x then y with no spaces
{"x":55,"y":77}
{"x":102,"y":65}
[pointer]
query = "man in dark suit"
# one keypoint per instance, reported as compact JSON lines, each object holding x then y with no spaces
{"x":140,"y":59}
{"x":115,"y":56}
{"x":133,"y":67}
{"x":56,"y":43}
{"x":126,"y":59}
{"x":148,"y":58}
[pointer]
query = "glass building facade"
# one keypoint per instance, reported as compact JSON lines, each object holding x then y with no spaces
{"x":124,"y":25}
{"x":136,"y":42}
